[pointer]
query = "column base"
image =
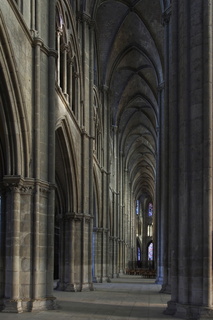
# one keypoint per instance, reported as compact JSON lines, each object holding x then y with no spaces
{"x":44,"y":304}
{"x":87,"y":287}
{"x":115,"y":275}
{"x":106,"y":279}
{"x":193,"y":312}
{"x":97,"y":279}
{"x":159,"y":280}
{"x":159,"y":277}
{"x":166,"y":288}
{"x":28,"y":305}
{"x":75,"y":287}
{"x":188,"y":311}
{"x":171,"y":308}
{"x":100,"y":279}
{"x":121,"y":273}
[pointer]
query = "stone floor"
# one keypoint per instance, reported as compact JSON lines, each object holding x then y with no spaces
{"x":125,"y":298}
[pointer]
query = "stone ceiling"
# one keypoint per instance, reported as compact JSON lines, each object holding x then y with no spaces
{"x":130,"y":39}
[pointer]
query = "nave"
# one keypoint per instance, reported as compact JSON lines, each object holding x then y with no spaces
{"x":124,"y":298}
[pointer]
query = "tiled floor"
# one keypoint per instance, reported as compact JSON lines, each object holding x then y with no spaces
{"x":125,"y":298}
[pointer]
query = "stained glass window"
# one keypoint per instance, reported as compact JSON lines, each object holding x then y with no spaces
{"x":137,"y":207}
{"x":150,"y":251}
{"x":150,"y":212}
{"x":139,"y":254}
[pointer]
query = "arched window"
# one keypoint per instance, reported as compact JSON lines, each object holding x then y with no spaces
{"x":150,"y":230}
{"x":150,"y":210}
{"x":67,"y":66}
{"x":139,"y":253}
{"x":150,"y":252}
{"x":60,"y":43}
{"x":137,"y":209}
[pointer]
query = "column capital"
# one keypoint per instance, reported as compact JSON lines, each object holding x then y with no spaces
{"x":18,"y":184}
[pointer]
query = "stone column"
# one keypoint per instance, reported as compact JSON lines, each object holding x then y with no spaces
{"x":111,"y":256}
{"x":25,"y":286}
{"x":59,"y":34}
{"x":86,"y":263}
{"x":160,"y":212}
{"x":113,"y":239}
{"x":191,"y":160}
{"x":12,"y":274}
{"x":121,"y":178}
{"x":98,"y":255}
{"x":105,"y":248}
{"x":125,"y":218}
{"x":67,"y":253}
{"x":164,"y":260}
{"x":52,"y":59}
{"x":105,"y":183}
{"x":2,"y":244}
{"x":75,"y":261}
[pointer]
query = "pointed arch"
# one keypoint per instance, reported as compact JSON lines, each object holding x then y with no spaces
{"x":13,"y":121}
{"x":66,"y":167}
{"x":66,"y":195}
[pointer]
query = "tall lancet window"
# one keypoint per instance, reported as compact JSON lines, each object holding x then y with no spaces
{"x":150,"y":252}
{"x":150,"y":210}
{"x":67,"y":69}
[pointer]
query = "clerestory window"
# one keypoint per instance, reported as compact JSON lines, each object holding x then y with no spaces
{"x":67,"y":76}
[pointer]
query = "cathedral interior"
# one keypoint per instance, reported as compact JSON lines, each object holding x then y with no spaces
{"x":106,"y":149}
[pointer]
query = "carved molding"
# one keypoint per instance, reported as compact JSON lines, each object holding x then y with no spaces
{"x":17,"y":184}
{"x":25,"y":185}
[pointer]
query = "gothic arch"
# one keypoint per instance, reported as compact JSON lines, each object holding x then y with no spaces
{"x":66,"y":204}
{"x":14,"y":141}
{"x":65,"y":149}
{"x":14,"y":134}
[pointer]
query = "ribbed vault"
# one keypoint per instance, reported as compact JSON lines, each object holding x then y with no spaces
{"x":129,"y":36}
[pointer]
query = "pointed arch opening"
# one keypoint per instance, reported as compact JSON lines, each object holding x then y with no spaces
{"x":66,"y":205}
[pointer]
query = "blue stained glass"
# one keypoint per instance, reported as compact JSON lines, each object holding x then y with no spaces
{"x":150,"y":210}
{"x":139,"y":254}
{"x":150,"y":252}
{"x":137,"y":207}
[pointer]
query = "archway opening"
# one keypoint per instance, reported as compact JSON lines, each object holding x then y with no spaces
{"x":63,"y":209}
